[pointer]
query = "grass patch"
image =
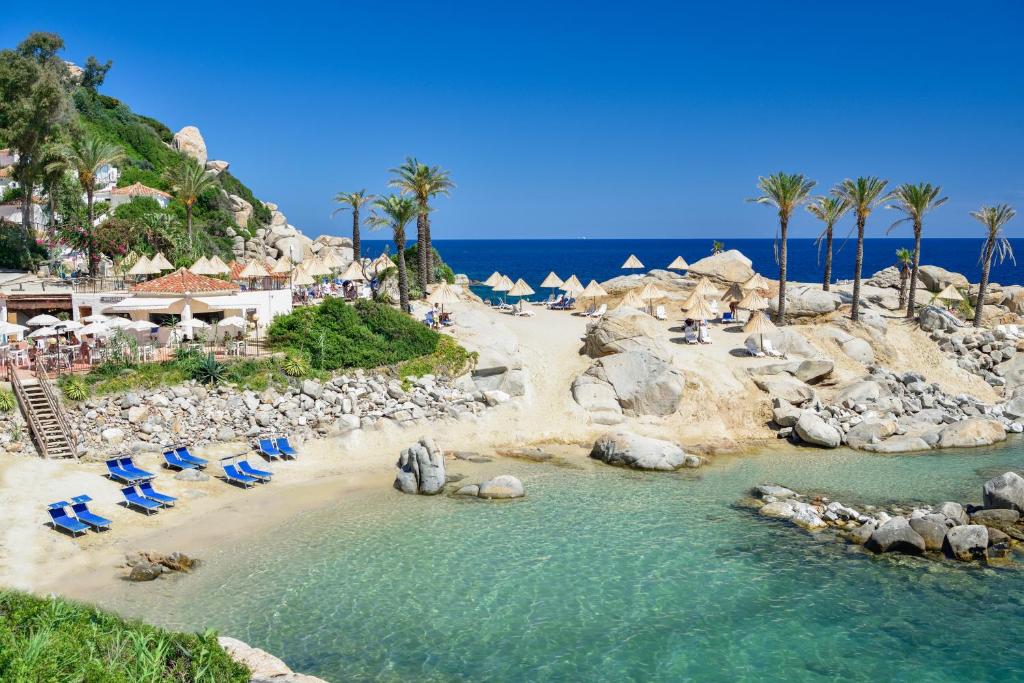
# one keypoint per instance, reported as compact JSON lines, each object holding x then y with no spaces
{"x":44,"y":639}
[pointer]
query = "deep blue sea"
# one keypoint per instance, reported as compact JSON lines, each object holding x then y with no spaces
{"x":601,"y":259}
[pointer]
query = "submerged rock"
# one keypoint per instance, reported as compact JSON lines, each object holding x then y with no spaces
{"x":502,"y":486}
{"x":638,"y":452}
{"x":421,"y":469}
{"x":967,"y":542}
{"x":814,"y":430}
{"x":1005,"y":491}
{"x":896,"y":535}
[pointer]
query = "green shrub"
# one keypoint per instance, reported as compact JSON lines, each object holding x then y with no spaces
{"x":449,"y":360}
{"x":74,"y":388}
{"x":209,"y":371}
{"x":7,"y":402}
{"x":50,"y":639}
{"x":295,"y":365}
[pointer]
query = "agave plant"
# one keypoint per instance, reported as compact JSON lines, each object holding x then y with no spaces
{"x":74,"y":389}
{"x":6,"y":401}
{"x":295,"y":365}
{"x":209,"y":370}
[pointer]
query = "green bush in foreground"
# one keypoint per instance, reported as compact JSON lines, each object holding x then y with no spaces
{"x":43,"y":639}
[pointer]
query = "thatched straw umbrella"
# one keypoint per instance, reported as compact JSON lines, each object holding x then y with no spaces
{"x":753,"y":301}
{"x":201,"y":266}
{"x":699,"y":309}
{"x":950,"y":294}
{"x":217,"y":266}
{"x":593,"y":290}
{"x":632,"y":262}
{"x":572,"y":285}
{"x":353,"y":272}
{"x":679,"y":264}
{"x":283,"y":266}
{"x":759,"y":324}
{"x":161,"y":262}
{"x":632,"y":300}
{"x":494,"y":279}
{"x":705,"y":288}
{"x":756,"y":281}
{"x":143,"y":267}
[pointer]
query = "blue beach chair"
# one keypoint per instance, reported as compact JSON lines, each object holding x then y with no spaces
{"x":268,"y":449}
{"x":133,"y":500}
{"x":128,"y":466}
{"x":175,"y":462}
{"x":245,"y":468}
{"x":59,"y":519}
{"x":284,"y":447}
{"x":114,"y":471}
{"x":185,"y":455}
{"x":146,"y":488}
{"x":233,"y":476}
{"x":84,"y":514}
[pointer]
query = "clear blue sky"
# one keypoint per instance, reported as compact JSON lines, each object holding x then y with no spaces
{"x":572,"y":119}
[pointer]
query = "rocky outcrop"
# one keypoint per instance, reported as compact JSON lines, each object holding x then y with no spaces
{"x":640,"y":383}
{"x":499,"y":364}
{"x":263,"y":666}
{"x":641,"y":452}
{"x":935,"y":278}
{"x":1005,"y":492}
{"x":896,"y":535}
{"x":887,"y":278}
{"x":147,"y":565}
{"x":804,"y":301}
{"x":421,"y":469}
{"x":967,"y":542}
{"x":972,"y":432}
{"x":814,"y":430}
{"x":240,"y":209}
{"x":624,"y":329}
{"x":725,"y":267}
{"x":189,"y":141}
{"x":216,"y":167}
{"x":989,"y":354}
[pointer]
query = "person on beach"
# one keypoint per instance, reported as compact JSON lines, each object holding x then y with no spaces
{"x":703,"y":335}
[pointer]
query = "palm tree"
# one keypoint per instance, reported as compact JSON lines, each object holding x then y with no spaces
{"x":188,"y":181}
{"x":423,"y":183}
{"x":915,"y":201}
{"x":828,"y":210}
{"x":785,"y":191}
{"x":863,"y":195}
{"x":396,"y":212}
{"x":905,"y":257}
{"x":994,"y":218}
{"x":353,"y":201}
{"x":55,"y":168}
{"x":86,"y":155}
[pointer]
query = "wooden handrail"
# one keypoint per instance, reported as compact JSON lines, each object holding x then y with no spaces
{"x":58,"y":411}
{"x":33,"y":421}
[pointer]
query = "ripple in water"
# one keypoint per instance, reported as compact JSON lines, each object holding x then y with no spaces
{"x":606,"y":575}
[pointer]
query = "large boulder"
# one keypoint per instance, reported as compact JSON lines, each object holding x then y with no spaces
{"x":725,"y":267}
{"x":932,"y":318}
{"x":260,"y":663}
{"x":814,"y":370}
{"x":643,"y":383}
{"x":967,"y":542}
{"x":816,"y":431}
{"x":859,"y":350}
{"x":421,"y":469}
{"x":936,"y":278}
{"x":899,"y":444}
{"x":860,"y":391}
{"x":931,"y":530}
{"x":1005,"y":492}
{"x":189,"y":141}
{"x":896,"y":536}
{"x":975,"y":431}
{"x":1012,"y":372}
{"x":624,"y":329}
{"x":240,"y":209}
{"x":870,"y":432}
{"x":502,"y":486}
{"x":785,"y":387}
{"x":597,"y":397}
{"x":784,"y":340}
{"x":886,"y":278}
{"x":804,"y":301}
{"x":499,"y":362}
{"x":638,"y":452}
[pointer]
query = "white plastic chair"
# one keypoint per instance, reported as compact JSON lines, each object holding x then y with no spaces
{"x":659,"y":313}
{"x":753,"y":350}
{"x":770,"y":350}
{"x":601,"y":310}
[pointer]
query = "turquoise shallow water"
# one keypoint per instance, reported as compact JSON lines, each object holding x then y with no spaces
{"x":602,"y":574}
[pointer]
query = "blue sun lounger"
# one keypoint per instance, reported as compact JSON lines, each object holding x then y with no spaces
{"x":128,"y":466}
{"x":59,"y":519}
{"x":247,"y":469}
{"x":174,"y":461}
{"x":84,"y":514}
{"x":233,"y":476}
{"x":146,"y":488}
{"x":184,"y":454}
{"x":133,"y":499}
{"x":267,"y":448}
{"x":284,"y":447}
{"x":115,"y":471}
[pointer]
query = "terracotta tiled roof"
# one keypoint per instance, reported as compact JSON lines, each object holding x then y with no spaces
{"x":184,"y":280}
{"x":140,"y":190}
{"x":236,"y":269}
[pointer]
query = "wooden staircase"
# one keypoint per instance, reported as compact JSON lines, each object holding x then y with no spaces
{"x":46,"y":420}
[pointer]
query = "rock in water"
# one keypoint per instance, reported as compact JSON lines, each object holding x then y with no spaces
{"x":967,"y":542}
{"x":896,"y":536}
{"x":930,"y":530}
{"x":145,"y":571}
{"x":814,"y":430}
{"x":503,"y":486}
{"x":421,"y":469}
{"x":638,"y":452}
{"x":1005,"y":491}
{"x":954,"y":512}
{"x":976,"y":431}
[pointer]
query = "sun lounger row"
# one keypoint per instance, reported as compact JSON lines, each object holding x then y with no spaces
{"x":125,"y":471}
{"x":767,"y":348}
{"x":595,"y":312}
{"x":563,"y":303}
{"x":181,"y":459}
{"x":79,"y":520}
{"x":274,"y":448}
{"x":145,"y":499}
{"x":241,"y":472}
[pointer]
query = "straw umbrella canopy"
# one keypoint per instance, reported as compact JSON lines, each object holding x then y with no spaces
{"x":760,"y":325}
{"x":42,"y":320}
{"x":756,"y":281}
{"x":734,"y":293}
{"x":571,"y":285}
{"x":699,"y":309}
{"x":494,"y":279}
{"x":331,"y":259}
{"x":950,"y":293}
{"x":217,"y":266}
{"x":679,"y":264}
{"x":632,"y":262}
{"x":316,"y":267}
{"x":301,"y":278}
{"x":200,"y":267}
{"x":283,"y":266}
{"x":520,"y":288}
{"x":552,"y":281}
{"x":253,"y":269}
{"x":161,"y":262}
{"x":632,"y":300}
{"x":353,"y":272}
{"x":143,"y":267}
{"x":593,"y":290}
{"x":753,"y":301}
{"x":380,"y":264}
{"x":504,"y":284}
{"x":649,"y":293}
{"x":705,"y":288}
{"x":443,"y":294}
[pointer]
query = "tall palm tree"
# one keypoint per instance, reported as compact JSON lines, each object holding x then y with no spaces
{"x":353,"y":201}
{"x":905,"y":257}
{"x":784,"y":191}
{"x":86,"y":155}
{"x":915,"y":201}
{"x":188,"y":181}
{"x":396,"y":212}
{"x":55,"y":168}
{"x":863,"y":194}
{"x":423,"y":183}
{"x":994,"y":218}
{"x":828,"y":210}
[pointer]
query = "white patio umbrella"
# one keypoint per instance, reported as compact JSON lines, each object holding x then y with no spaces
{"x":140,"y":326}
{"x":67,"y":325}
{"x":94,"y":328}
{"x":117,"y":321}
{"x":42,"y":320}
{"x":95,"y":318}
{"x":217,"y":266}
{"x":679,"y":264}
{"x":494,"y":279}
{"x":161,"y":263}
{"x":11,"y":328}
{"x":632,"y":262}
{"x":234,"y":321}
{"x":44,"y":332}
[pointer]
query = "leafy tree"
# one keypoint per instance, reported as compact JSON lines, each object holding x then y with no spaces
{"x":784,"y":191}
{"x":94,"y":73}
{"x":41,"y":47}
{"x":905,"y":258}
{"x":353,"y":201}
{"x":423,"y":183}
{"x":994,"y":218}
{"x":717,"y":247}
{"x":86,"y":155}
{"x":829,"y":210}
{"x":863,"y":195}
{"x":915,"y":201}
{"x":396,"y":213}
{"x":188,"y":181}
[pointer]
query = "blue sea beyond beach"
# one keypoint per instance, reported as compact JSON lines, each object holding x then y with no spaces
{"x":601,"y":259}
